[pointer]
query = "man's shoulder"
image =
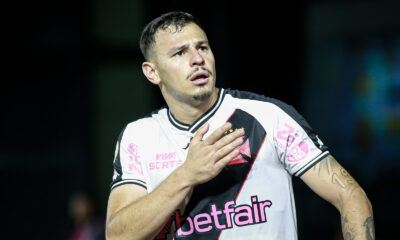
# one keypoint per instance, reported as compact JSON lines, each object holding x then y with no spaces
{"x":256,"y":97}
{"x":146,"y":124}
{"x":261,"y":105}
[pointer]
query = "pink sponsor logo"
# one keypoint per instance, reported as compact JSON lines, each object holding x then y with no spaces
{"x":241,"y":215}
{"x":135,"y":162}
{"x":287,"y":136}
{"x":298,"y":152}
{"x":165,"y":156}
{"x":284,"y":134}
{"x":165,"y":161}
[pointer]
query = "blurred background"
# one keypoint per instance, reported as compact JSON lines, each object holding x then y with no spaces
{"x":72,"y":80}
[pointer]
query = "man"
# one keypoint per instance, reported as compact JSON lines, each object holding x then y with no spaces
{"x":217,"y":163}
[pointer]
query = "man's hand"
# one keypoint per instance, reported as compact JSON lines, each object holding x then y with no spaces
{"x":206,"y":158}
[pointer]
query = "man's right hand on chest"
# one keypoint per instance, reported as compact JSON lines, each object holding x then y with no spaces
{"x":206,"y":158}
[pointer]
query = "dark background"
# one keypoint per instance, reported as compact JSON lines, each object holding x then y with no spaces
{"x":72,"y":80}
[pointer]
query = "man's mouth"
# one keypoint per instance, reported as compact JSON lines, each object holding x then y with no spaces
{"x":199,"y":78}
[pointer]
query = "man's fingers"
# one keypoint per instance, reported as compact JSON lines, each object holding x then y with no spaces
{"x":200,"y":133}
{"x":229,"y":138}
{"x":228,"y":148}
{"x":218,"y":133}
{"x":225,"y":160}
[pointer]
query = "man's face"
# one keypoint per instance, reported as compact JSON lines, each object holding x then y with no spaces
{"x":185,"y":63}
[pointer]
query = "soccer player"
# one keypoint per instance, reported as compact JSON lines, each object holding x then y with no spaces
{"x":217,"y":163}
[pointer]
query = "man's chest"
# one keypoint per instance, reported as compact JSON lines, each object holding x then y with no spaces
{"x":169,"y":149}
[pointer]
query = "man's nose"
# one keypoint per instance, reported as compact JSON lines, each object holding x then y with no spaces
{"x":196,"y":58}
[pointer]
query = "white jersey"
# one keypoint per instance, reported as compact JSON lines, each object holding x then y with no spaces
{"x":252,"y":197}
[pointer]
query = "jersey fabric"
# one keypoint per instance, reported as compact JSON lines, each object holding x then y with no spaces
{"x":252,"y":197}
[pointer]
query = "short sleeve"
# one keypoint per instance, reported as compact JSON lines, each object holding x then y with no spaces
{"x":128,"y":162}
{"x":296,"y":143}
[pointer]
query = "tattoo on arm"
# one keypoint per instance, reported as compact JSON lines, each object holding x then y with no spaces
{"x":330,"y":170}
{"x":338,"y":175}
{"x":348,"y":231}
{"x":369,"y":228}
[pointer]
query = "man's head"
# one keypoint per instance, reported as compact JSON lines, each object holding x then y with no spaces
{"x":178,"y":58}
{"x":177,"y":20}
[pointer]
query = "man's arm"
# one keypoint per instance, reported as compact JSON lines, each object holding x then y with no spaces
{"x":134,"y":214}
{"x":333,"y":183}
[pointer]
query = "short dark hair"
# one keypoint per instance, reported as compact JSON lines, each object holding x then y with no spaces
{"x":176,"y":19}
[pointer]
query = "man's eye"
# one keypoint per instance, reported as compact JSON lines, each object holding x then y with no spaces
{"x":203,"y":48}
{"x":180,"y":53}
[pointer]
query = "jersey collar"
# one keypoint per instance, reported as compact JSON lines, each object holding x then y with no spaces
{"x":201,"y":120}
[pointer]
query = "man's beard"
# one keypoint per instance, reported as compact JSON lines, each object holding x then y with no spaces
{"x":203,"y":96}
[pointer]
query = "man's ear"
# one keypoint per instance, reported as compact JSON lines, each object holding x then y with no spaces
{"x":149,"y":70}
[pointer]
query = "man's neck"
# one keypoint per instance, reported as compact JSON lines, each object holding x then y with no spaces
{"x":189,"y":113}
